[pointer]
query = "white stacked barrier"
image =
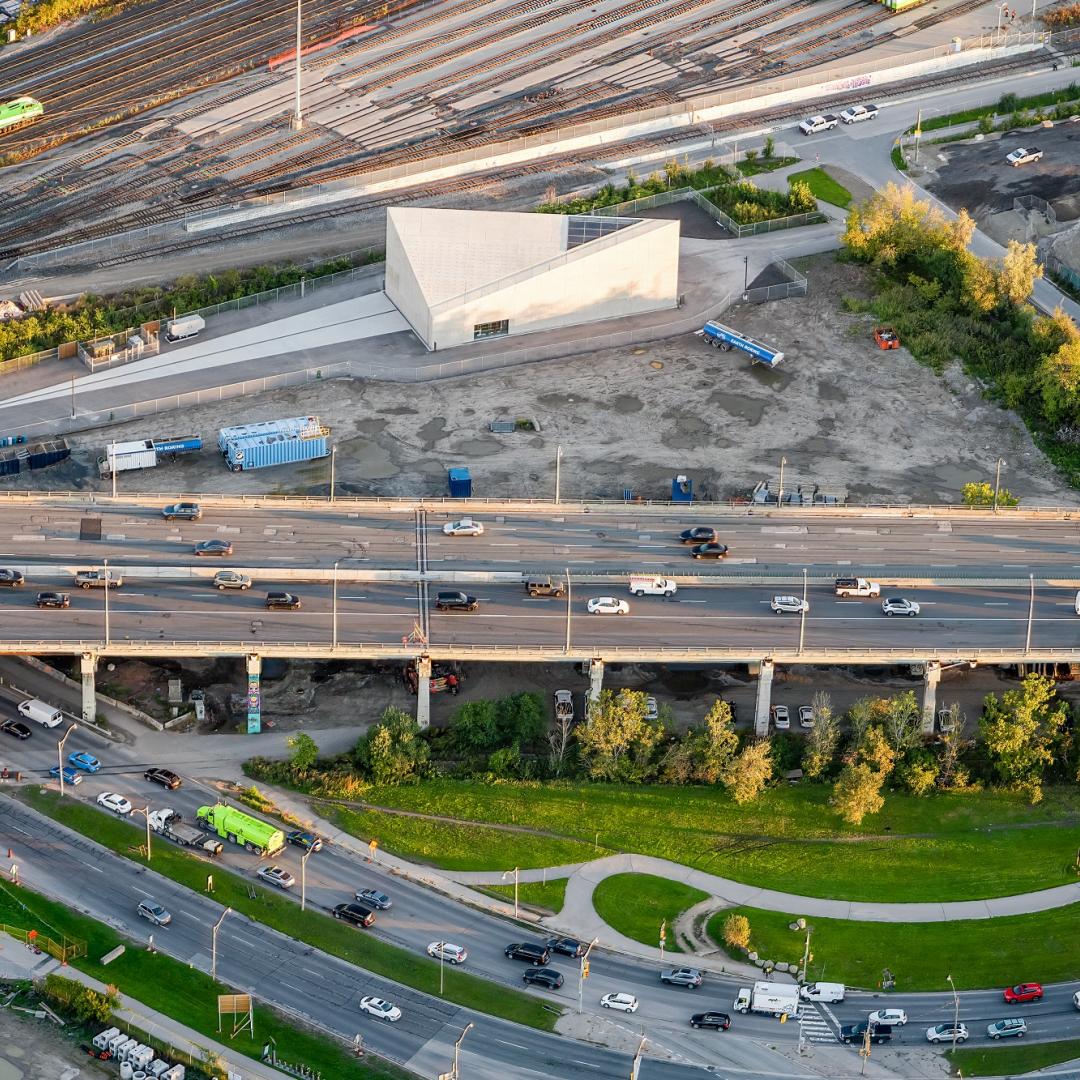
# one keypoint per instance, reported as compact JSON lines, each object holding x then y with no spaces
{"x":101,"y":1041}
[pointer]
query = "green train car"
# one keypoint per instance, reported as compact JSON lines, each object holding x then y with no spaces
{"x":20,"y":110}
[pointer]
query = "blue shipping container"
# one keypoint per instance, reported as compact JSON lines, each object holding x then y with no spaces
{"x":257,"y":454}
{"x":682,"y":490}
{"x":460,"y":483}
{"x":178,"y":446}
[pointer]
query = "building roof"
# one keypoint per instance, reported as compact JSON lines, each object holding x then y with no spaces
{"x":453,"y":252}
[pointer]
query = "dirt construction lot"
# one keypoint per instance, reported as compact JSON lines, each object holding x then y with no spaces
{"x":871,"y":424}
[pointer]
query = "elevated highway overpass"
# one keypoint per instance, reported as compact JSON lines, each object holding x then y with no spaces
{"x":994,"y":587}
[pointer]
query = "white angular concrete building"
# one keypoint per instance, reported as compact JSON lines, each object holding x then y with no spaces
{"x":459,"y":276}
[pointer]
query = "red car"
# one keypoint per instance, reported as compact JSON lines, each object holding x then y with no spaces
{"x":1023,"y":992}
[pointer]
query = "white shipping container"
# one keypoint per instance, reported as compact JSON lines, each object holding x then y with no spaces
{"x":184,"y":327}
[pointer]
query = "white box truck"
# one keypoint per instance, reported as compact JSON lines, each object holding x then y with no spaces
{"x":831,"y":993}
{"x":122,"y":456}
{"x":776,"y":999}
{"x":41,"y":712}
{"x":184,"y":327}
{"x":651,"y":585}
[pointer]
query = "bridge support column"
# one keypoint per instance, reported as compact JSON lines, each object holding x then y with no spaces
{"x":764,"y":699}
{"x":596,"y":678}
{"x":89,"y":686}
{"x":929,"y":695}
{"x":423,"y":692}
{"x":254,"y":693}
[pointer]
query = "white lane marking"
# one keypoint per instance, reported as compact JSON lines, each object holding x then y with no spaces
{"x":506,"y":1042}
{"x":352,"y":597}
{"x":135,"y":888}
{"x":996,"y":603}
{"x":691,"y":601}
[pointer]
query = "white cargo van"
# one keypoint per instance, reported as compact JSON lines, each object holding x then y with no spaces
{"x":651,"y":585}
{"x":831,"y":993}
{"x":42,"y":712}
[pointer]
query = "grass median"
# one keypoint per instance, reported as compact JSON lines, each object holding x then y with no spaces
{"x":276,"y":910}
{"x":944,"y":847}
{"x":1012,"y":1060}
{"x":637,"y":904}
{"x":978,"y":953}
{"x":823,"y":186}
{"x":181,"y":992}
{"x":547,"y":895}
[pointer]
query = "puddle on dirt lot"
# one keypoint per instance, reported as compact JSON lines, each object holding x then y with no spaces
{"x":689,"y":432}
{"x":477,"y":447}
{"x":432,"y":431}
{"x":746,"y":408}
{"x":366,"y":460}
{"x":626,"y":404}
{"x":831,"y":392}
{"x":371,"y":427}
{"x":400,"y":410}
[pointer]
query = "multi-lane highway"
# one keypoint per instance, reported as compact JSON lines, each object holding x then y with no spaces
{"x":367,"y":576}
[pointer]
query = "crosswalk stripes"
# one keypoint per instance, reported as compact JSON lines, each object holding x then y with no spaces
{"x":815,"y":1028}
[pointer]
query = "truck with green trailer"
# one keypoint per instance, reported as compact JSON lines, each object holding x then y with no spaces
{"x":232,"y":824}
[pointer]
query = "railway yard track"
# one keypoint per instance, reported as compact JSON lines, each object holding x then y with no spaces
{"x":429,"y":79}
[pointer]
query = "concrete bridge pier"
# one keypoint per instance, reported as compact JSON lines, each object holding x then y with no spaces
{"x":764,"y":699}
{"x":931,"y":678}
{"x":423,"y":692}
{"x":596,"y":678}
{"x":89,"y":686}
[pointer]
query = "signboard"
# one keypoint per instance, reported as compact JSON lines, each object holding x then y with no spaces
{"x":254,"y":703}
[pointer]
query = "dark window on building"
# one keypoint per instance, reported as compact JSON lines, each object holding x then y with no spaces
{"x":490,"y":329}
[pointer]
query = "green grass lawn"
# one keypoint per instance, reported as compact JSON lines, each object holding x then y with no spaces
{"x":1020,"y":1057}
{"x":947,"y":847}
{"x":824,"y":187}
{"x":273,"y":908}
{"x":636,"y":905}
{"x":550,"y":895}
{"x":191,"y":996}
{"x":449,"y":846}
{"x":978,"y":953}
{"x":764,"y":165}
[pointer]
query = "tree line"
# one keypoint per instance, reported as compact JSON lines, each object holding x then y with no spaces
{"x":1024,"y":740}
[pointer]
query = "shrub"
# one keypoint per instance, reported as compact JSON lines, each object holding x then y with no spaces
{"x":737,"y":932}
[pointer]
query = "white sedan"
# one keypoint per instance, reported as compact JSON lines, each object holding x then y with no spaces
{"x":791,"y":604}
{"x":806,"y":716}
{"x":464,"y":527}
{"x":383,"y":1010}
{"x":116,"y":803}
{"x":781,"y":718}
{"x":608,"y":605}
{"x":891,"y":1017}
{"x":622,"y":1002}
{"x":897,"y":605}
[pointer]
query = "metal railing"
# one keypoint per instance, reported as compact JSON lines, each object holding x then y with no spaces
{"x":1028,"y":203}
{"x":66,"y":952}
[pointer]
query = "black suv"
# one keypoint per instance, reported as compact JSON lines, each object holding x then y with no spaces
{"x":53,"y":599}
{"x":458,"y":601}
{"x":531,"y":954}
{"x":11,"y":578}
{"x":357,"y":914}
{"x":718,"y":1020}
{"x":545,"y":977}
{"x":287,"y":600}
{"x":544,"y":586}
{"x":165,"y":777}
{"x":879,"y":1033}
{"x":13,"y":727}
{"x":568,"y":946}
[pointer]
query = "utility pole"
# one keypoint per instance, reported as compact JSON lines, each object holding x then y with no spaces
{"x":780,"y":493}
{"x":333,"y":469}
{"x":583,"y":973}
{"x":802,"y":613}
{"x":997,"y":482}
{"x":298,"y":119}
{"x":558,"y":472}
{"x":145,"y":811}
{"x":106,"y":564}
{"x":956,"y":1010}
{"x":334,"y":616}
{"x":213,"y":944}
{"x":303,"y":877}
{"x":60,"y":756}
{"x":1031,"y":612}
{"x":567,"y":648}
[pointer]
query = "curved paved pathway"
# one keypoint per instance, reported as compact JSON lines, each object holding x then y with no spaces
{"x":584,"y":877}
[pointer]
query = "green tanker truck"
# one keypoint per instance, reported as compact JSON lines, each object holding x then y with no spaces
{"x":232,"y":824}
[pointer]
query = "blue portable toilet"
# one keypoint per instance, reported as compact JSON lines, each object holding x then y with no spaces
{"x":682,"y":489}
{"x":460,"y":483}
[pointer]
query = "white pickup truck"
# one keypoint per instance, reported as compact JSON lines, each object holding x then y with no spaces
{"x":1022,"y":156}
{"x":99,"y":579}
{"x":859,"y":112}
{"x":851,"y":586}
{"x":813,"y":124}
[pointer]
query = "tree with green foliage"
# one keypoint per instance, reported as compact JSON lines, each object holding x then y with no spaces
{"x":857,"y":792}
{"x":701,"y":755}
{"x":88,"y":1006}
{"x":618,"y":741}
{"x":520,"y":718}
{"x":748,"y":773}
{"x":822,"y":739}
{"x":393,"y":751}
{"x":981,"y":493}
{"x":473,"y":729}
{"x":768,"y":151}
{"x":903,"y":723}
{"x":305,"y":751}
{"x":1022,"y":731}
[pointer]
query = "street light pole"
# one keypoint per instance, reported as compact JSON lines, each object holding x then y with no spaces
{"x":802,"y":613}
{"x":334,"y":618}
{"x":583,"y":973}
{"x":780,"y":493}
{"x":515,"y":872}
{"x":106,"y":564}
{"x":956,"y":1010}
{"x":113,"y":469}
{"x":333,"y":470}
{"x":213,"y":944}
{"x":454,"y":1073}
{"x":997,"y":482}
{"x":1031,"y":612}
{"x":60,"y":756}
{"x":745,"y":272}
{"x":303,"y":877}
{"x":145,"y":811}
{"x":558,"y":473}
{"x":567,"y":649}
{"x":637,"y":1059}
